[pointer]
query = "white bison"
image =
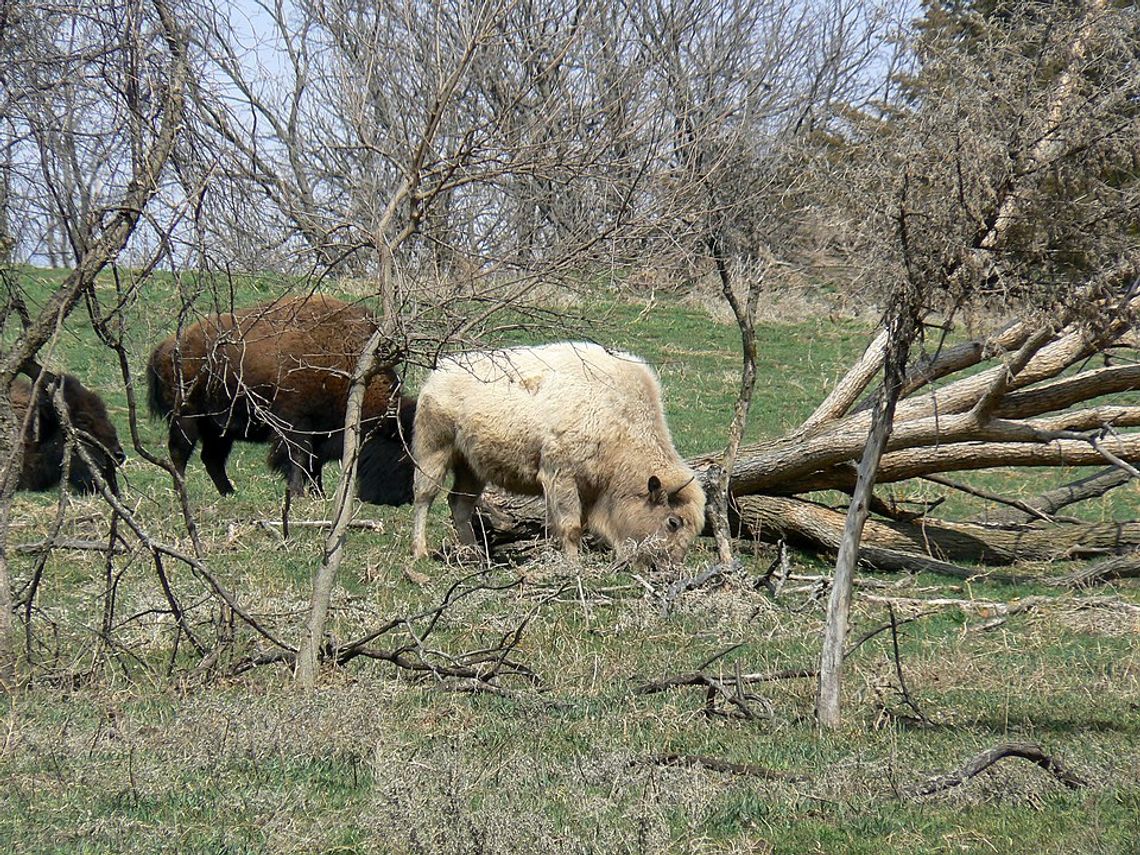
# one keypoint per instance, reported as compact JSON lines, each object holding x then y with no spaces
{"x":573,"y":422}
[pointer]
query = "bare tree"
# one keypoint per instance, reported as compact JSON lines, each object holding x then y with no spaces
{"x":452,"y":157}
{"x":406,"y":138}
{"x":740,"y":87}
{"x":121,"y":70}
{"x":449,"y":160}
{"x":996,"y":235}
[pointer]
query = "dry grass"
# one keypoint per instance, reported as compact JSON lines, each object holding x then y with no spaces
{"x":380,"y":761}
{"x":390,"y":762}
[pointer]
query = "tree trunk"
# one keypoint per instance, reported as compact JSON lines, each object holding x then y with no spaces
{"x":745,"y":319}
{"x":901,"y":327}
{"x":827,"y":709}
{"x":9,"y":475}
{"x":815,"y":526}
{"x":308,"y":652}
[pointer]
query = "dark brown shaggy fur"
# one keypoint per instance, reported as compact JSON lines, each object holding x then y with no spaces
{"x":45,"y":440}
{"x":280,"y":373}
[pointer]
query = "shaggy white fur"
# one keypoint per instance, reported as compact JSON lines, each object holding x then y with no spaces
{"x":571,"y":421}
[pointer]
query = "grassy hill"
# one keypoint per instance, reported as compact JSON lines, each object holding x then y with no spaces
{"x":124,"y":741}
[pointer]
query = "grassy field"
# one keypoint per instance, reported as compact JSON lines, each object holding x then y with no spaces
{"x":131,"y":747}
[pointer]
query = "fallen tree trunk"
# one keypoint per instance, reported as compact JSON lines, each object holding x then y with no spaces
{"x":1048,"y":503}
{"x":1033,"y":399}
{"x":922,"y":545}
{"x":810,"y":524}
{"x":1030,"y":751}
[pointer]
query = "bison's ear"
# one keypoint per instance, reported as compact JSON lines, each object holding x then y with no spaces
{"x":657,"y":495}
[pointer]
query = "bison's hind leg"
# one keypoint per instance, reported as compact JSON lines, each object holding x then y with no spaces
{"x":294,"y":456}
{"x":563,"y":508}
{"x":465,"y":492}
{"x":181,"y":439}
{"x":215,"y":452}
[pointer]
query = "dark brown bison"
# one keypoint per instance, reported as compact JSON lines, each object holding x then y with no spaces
{"x":45,"y":439}
{"x":280,"y":373}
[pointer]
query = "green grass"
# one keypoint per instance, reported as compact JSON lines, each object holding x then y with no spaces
{"x":131,"y":749}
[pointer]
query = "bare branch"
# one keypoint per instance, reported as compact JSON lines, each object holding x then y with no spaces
{"x":848,"y":390}
{"x":1031,"y":751}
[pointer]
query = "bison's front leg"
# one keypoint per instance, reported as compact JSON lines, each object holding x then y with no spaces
{"x":423,"y":499}
{"x":432,"y":463}
{"x":563,"y":508}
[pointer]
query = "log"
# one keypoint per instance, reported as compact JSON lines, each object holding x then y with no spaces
{"x":971,"y":456}
{"x":994,"y":417}
{"x":1016,"y":411}
{"x":1048,"y":503}
{"x":919,"y":545}
{"x":1030,"y":751}
{"x":814,"y":525}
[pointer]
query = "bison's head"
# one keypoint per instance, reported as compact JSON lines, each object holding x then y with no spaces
{"x":385,"y":473}
{"x":95,"y":430}
{"x":658,"y":526}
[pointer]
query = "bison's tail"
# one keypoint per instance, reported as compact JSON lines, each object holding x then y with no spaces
{"x":157,"y":389}
{"x":406,"y":413}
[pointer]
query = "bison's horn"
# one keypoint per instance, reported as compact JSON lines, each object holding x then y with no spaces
{"x":673,"y":493}
{"x":31,"y":368}
{"x":34,"y":371}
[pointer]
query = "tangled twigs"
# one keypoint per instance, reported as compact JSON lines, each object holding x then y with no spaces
{"x":414,"y":653}
{"x":734,"y":693}
{"x":689,"y":583}
{"x":907,"y":699}
{"x":1031,"y":751}
{"x":160,"y":550}
{"x":699,"y":678}
{"x":777,"y":573}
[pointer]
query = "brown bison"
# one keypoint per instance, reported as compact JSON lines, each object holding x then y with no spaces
{"x":280,"y":373}
{"x":576,"y":423}
{"x":45,"y":440}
